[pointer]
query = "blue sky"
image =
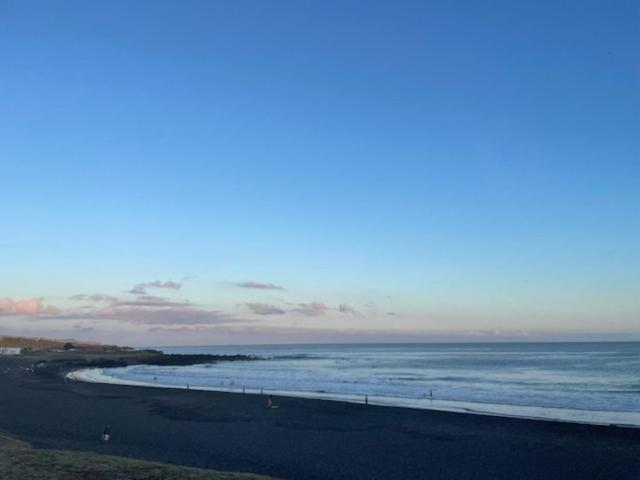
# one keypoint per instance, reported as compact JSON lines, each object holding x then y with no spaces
{"x":471,"y":169}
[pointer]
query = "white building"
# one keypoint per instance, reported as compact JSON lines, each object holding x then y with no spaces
{"x":10,"y":350}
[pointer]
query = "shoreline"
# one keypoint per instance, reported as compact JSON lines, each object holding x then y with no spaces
{"x":303,"y":439}
{"x":544,"y":414}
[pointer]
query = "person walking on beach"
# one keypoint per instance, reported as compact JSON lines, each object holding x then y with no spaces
{"x":270,"y":401}
{"x":106,"y":433}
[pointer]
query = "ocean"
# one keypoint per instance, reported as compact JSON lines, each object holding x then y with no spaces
{"x":588,"y":382}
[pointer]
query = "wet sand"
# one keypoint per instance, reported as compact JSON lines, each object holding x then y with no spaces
{"x":304,"y":439}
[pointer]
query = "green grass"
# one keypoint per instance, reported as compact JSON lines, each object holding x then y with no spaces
{"x":50,"y":343}
{"x":19,"y":461}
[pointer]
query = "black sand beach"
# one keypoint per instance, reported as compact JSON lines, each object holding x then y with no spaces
{"x":304,"y":439}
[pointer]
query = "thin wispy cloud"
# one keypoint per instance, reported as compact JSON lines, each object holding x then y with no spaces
{"x":312,"y":309}
{"x":141,"y":288}
{"x":96,"y":297}
{"x":308,"y":309}
{"x":259,"y":286}
{"x":268,"y":334}
{"x":149,"y":301}
{"x":79,"y":328}
{"x":265,"y":309}
{"x":146,"y":314}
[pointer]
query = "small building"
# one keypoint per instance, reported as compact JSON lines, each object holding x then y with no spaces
{"x":10,"y":350}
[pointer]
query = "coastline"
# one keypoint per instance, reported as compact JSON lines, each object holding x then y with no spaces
{"x":552,"y":414}
{"x":303,"y":439}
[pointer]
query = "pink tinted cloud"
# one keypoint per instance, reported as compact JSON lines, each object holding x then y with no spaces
{"x":259,"y":285}
{"x":312,"y":309}
{"x":27,"y":307}
{"x":140,"y":310}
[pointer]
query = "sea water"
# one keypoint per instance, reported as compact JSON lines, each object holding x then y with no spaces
{"x":593,"y":382}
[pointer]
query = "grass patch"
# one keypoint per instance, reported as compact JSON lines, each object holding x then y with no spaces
{"x":19,"y":461}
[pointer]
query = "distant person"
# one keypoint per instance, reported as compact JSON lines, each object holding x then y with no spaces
{"x":270,"y":401}
{"x":106,"y":433}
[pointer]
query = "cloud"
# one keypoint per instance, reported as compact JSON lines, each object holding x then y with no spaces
{"x":259,"y":286}
{"x":79,"y":328}
{"x":262,"y":334}
{"x":312,"y":309}
{"x":96,"y":297}
{"x":144,"y":314}
{"x":149,"y":301}
{"x":143,"y":310}
{"x":173,"y":316}
{"x":148,"y":310}
{"x":141,"y":288}
{"x":348,"y":310}
{"x":139,"y":301}
{"x":27,"y":307}
{"x":265,"y":309}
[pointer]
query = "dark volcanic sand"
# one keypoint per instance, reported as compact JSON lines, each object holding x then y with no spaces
{"x":306,"y":439}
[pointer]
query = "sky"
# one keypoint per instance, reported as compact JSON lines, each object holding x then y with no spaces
{"x":235,"y":172}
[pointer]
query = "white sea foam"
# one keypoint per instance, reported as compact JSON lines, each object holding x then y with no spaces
{"x":595,"y":417}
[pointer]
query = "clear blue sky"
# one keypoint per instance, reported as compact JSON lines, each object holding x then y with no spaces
{"x":470,"y":167}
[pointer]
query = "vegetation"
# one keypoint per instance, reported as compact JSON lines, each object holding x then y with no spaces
{"x":36,"y":343}
{"x":19,"y":461}
{"x":28,"y":343}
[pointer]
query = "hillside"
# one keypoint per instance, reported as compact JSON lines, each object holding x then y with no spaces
{"x":35,"y":343}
